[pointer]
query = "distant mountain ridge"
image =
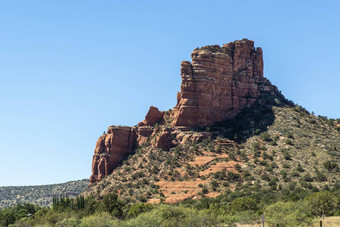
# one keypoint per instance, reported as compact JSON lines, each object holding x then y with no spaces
{"x":40,"y":194}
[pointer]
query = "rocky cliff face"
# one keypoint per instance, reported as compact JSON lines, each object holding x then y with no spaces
{"x":219,"y":83}
{"x":111,"y":149}
{"x":216,"y":85}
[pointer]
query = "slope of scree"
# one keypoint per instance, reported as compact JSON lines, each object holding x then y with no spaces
{"x":269,"y":143}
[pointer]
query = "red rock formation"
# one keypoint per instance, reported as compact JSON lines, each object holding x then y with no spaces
{"x":152,"y":117}
{"x":111,"y":149}
{"x":143,"y":134}
{"x":164,"y":140}
{"x":219,"y":83}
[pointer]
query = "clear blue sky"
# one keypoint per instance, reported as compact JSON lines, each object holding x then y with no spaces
{"x":69,"y":69}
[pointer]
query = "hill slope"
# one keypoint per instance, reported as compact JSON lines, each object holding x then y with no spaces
{"x":230,"y":130}
{"x":40,"y":194}
{"x":273,"y":144}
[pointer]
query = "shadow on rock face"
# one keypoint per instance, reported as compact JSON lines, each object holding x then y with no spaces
{"x":250,"y":121}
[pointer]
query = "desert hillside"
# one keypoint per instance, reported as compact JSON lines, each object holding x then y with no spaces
{"x":230,"y":130}
{"x":231,"y":150}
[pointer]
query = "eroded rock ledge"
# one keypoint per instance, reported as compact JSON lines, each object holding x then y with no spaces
{"x":216,"y":85}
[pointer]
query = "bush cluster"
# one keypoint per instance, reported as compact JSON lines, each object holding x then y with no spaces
{"x":293,"y":206}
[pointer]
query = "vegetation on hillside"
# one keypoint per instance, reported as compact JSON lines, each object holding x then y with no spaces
{"x":298,"y":207}
{"x":275,"y":158}
{"x":275,"y":145}
{"x":40,"y":195}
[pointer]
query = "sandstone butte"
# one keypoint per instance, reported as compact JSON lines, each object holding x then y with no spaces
{"x":216,"y":86}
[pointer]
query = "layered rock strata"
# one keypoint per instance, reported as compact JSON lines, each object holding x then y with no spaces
{"x":111,"y":149}
{"x":216,"y":85}
{"x":219,"y":83}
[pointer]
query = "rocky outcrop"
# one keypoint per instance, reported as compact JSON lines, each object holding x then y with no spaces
{"x":164,"y":140}
{"x":152,"y":117}
{"x":143,"y":134}
{"x":219,"y":83}
{"x":216,"y":85}
{"x":111,"y":149}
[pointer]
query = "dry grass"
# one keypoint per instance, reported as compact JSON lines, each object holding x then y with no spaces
{"x":249,"y":225}
{"x":328,"y":222}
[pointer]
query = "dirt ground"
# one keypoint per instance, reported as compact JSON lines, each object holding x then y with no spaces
{"x":180,"y":190}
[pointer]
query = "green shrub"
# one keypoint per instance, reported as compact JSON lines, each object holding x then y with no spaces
{"x":272,"y":182}
{"x":220,"y":175}
{"x":273,"y":143}
{"x":233,"y":177}
{"x":288,"y":214}
{"x":323,"y":203}
{"x":246,"y":174}
{"x":295,"y":174}
{"x":283,"y":173}
{"x":307,"y":178}
{"x":330,"y":166}
{"x":289,"y":142}
{"x":113,"y":205}
{"x":285,"y":165}
{"x":72,"y":221}
{"x":214,"y":185}
{"x":299,"y":168}
{"x":268,"y":168}
{"x":290,"y":135}
{"x":287,"y":156}
{"x":320,"y":177}
{"x":205,"y":190}
{"x":138,"y":208}
{"x":238,"y":167}
{"x":265,"y":136}
{"x":265,"y":177}
{"x":256,"y":146}
{"x":243,"y":204}
{"x":100,"y":220}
